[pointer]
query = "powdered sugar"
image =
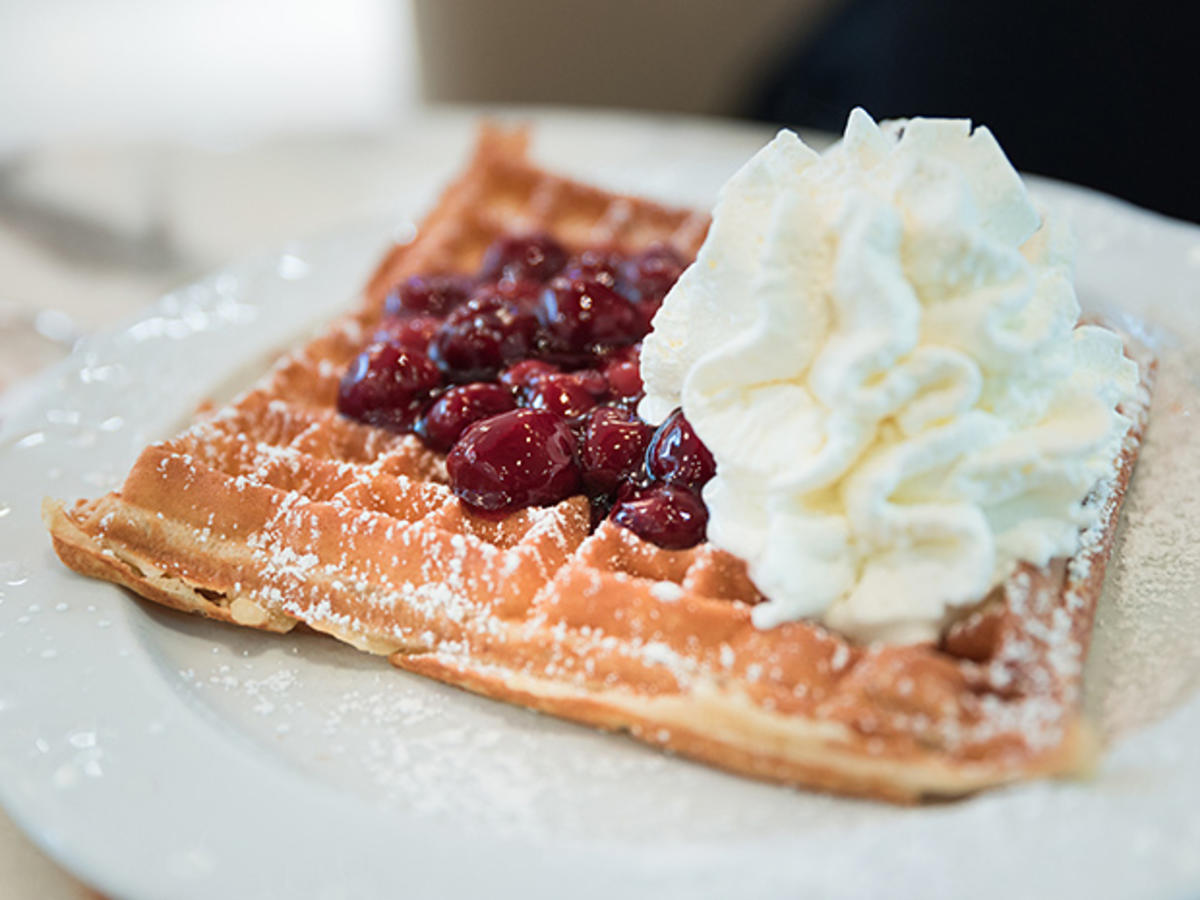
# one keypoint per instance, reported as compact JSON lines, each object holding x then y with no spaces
{"x":1146,"y":655}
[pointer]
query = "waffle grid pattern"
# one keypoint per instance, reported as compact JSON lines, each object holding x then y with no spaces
{"x":277,"y":511}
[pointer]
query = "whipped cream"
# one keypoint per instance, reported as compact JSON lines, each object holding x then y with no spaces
{"x":880,"y":346}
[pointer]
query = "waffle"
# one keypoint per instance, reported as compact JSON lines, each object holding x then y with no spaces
{"x":275,"y":511}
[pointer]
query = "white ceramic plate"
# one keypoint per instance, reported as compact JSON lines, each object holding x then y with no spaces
{"x":163,"y":756}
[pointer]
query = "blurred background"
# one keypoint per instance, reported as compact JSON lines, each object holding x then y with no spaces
{"x":143,"y":141}
{"x":1099,"y":93}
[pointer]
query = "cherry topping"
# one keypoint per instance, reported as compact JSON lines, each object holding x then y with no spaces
{"x":647,"y":310}
{"x":386,"y":386}
{"x":480,"y":338}
{"x":460,"y":407}
{"x":677,"y":455}
{"x":596,"y":265}
{"x":428,"y":295}
{"x":521,"y":458}
{"x":523,"y":291}
{"x":410,"y":334}
{"x":541,"y":433}
{"x":535,"y":256}
{"x":614,"y":445}
{"x":526,"y":372}
{"x":665,"y":514}
{"x":652,"y":272}
{"x":581,"y":315}
{"x":623,"y":371}
{"x":567,"y":394}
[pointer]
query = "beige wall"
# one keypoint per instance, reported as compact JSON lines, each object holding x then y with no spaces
{"x":688,"y":55}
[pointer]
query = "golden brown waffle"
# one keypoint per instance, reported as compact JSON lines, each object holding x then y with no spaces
{"x":277,"y":511}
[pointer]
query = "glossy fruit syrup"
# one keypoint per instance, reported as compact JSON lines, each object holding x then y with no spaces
{"x":525,"y":374}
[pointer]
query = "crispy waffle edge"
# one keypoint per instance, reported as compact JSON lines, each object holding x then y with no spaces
{"x":997,"y":702}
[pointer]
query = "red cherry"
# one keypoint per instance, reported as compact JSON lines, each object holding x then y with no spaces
{"x":647,"y":310}
{"x":568,"y":395}
{"x":668,"y":515}
{"x":600,"y":265}
{"x":521,"y":458}
{"x":386,"y":386}
{"x":592,"y":381}
{"x":579,"y":316}
{"x":480,"y":338}
{"x":410,"y":334}
{"x":534,"y":256}
{"x":651,"y":273}
{"x":428,"y":295}
{"x":622,"y":369}
{"x":454,"y":411}
{"x":614,"y":445}
{"x":677,"y":455}
{"x":522,"y":291}
{"x":526,"y":372}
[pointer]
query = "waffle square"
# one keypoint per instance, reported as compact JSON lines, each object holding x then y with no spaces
{"x":276,"y":511}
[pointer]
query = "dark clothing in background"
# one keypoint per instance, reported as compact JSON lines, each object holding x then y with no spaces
{"x":1102,"y":94}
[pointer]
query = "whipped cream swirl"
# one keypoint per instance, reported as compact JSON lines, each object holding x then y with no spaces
{"x":880,"y":345}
